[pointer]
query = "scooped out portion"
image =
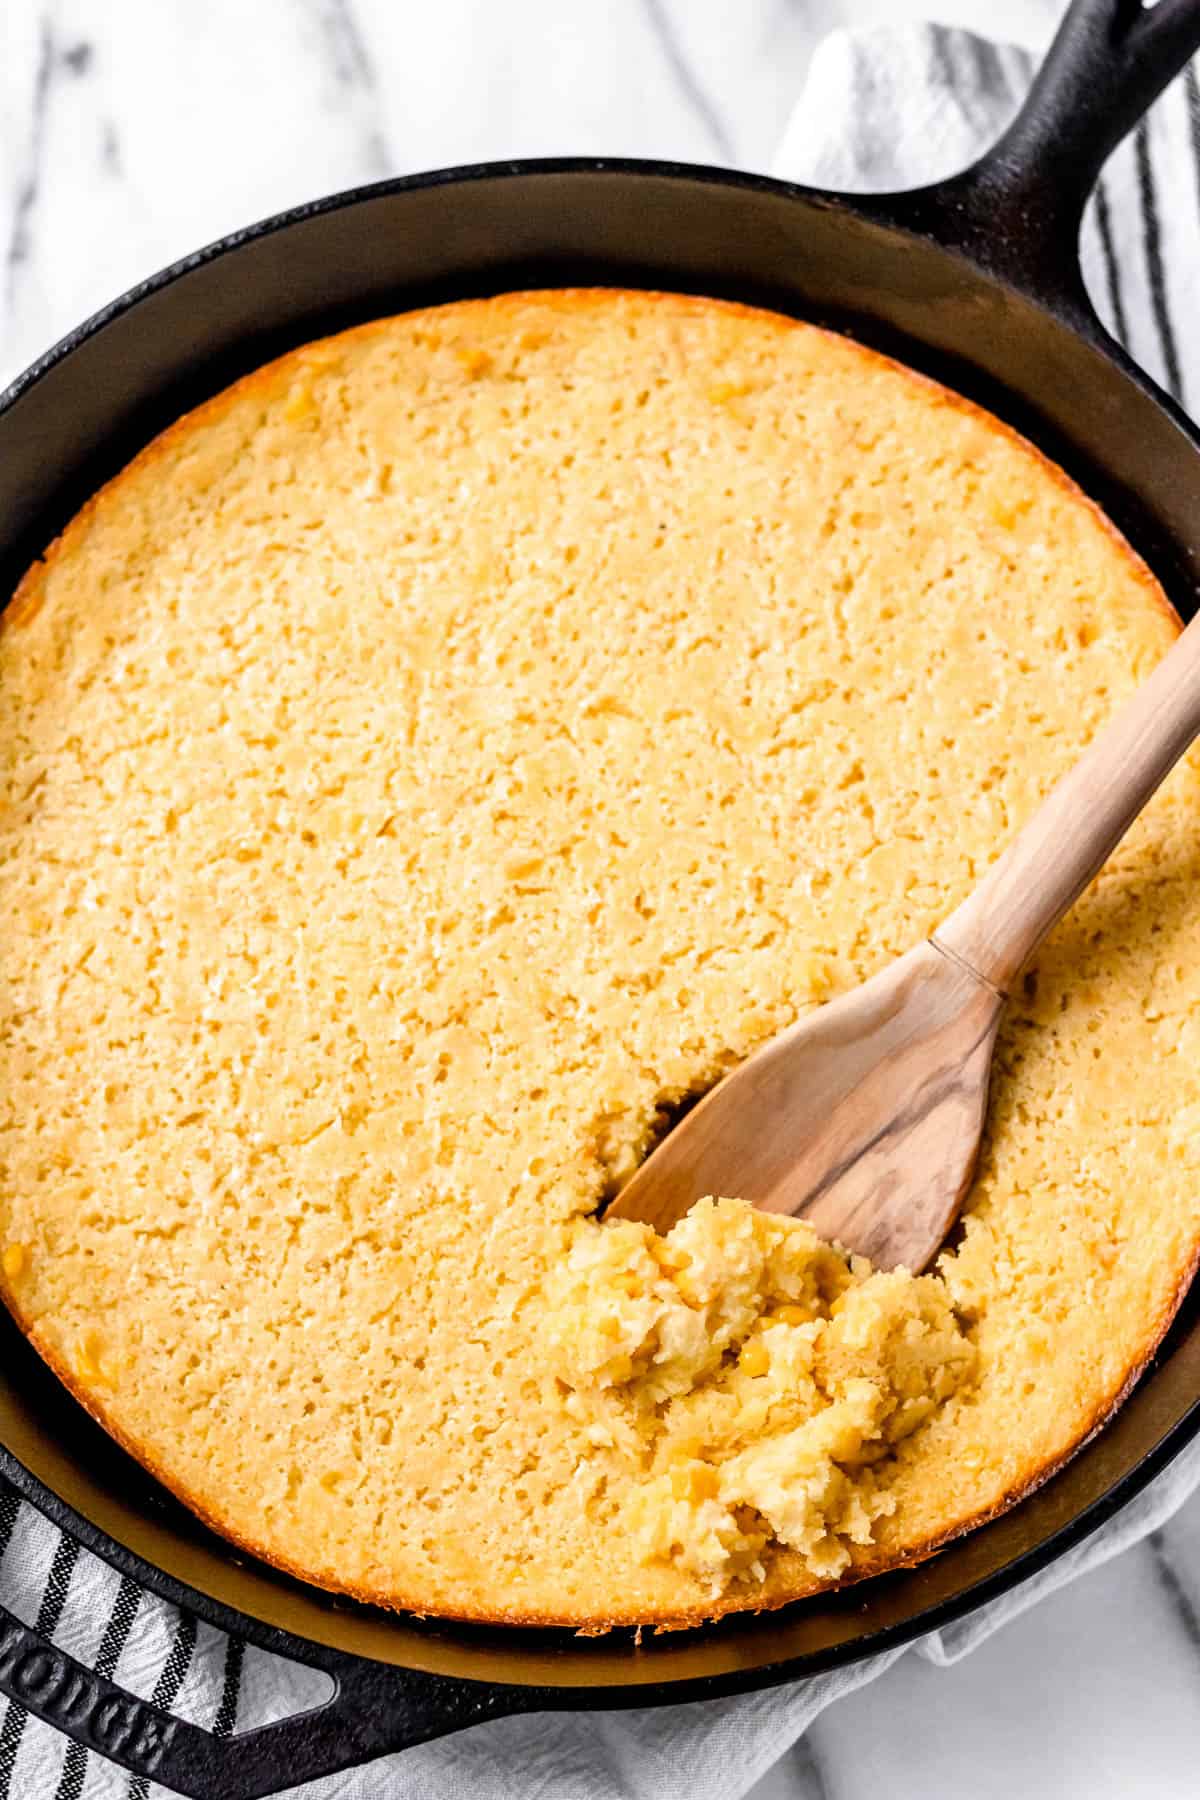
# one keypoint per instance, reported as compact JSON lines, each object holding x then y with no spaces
{"x":756,"y":1378}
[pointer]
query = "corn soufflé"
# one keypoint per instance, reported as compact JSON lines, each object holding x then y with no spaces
{"x":428,"y":764}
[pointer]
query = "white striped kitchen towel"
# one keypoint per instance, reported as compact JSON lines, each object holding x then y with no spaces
{"x":900,"y":105}
{"x":885,"y":108}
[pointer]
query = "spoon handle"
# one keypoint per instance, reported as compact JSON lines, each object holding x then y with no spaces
{"x":1086,"y":814}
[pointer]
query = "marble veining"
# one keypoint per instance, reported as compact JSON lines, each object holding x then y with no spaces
{"x":25,"y":184}
{"x":687,"y":82}
{"x":131,"y":132}
{"x":345,"y":55}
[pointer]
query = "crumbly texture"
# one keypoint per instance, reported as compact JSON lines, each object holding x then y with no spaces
{"x":759,"y":1377}
{"x":434,"y":758}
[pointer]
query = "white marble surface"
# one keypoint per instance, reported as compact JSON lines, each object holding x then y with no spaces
{"x":133,"y":130}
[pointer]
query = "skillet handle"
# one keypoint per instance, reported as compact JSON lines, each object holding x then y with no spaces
{"x":374,"y":1709}
{"x":1018,"y":210}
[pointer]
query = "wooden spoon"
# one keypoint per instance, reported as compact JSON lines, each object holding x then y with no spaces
{"x":866,"y":1117}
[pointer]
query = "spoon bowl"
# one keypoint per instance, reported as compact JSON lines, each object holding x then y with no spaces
{"x":864,"y":1118}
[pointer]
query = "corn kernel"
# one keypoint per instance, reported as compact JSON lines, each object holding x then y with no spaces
{"x":695,"y":1482}
{"x":813,"y":977}
{"x":755,"y":1358}
{"x":722,"y":391}
{"x":14,"y":1260}
{"x":299,"y":403}
{"x":518,"y":868}
{"x":689,"y":1293}
{"x":794,"y":1315}
{"x":474,"y":362}
{"x":90,"y":1361}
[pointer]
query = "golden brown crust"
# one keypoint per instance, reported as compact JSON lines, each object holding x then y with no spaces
{"x":27,"y":602}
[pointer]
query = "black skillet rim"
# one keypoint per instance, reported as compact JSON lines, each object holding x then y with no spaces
{"x":881,"y":209}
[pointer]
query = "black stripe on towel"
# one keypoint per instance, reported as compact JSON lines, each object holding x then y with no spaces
{"x":1191,"y":88}
{"x":1020,"y":65}
{"x":993,"y":75}
{"x":1112,"y":271}
{"x":225,"y":1723}
{"x":116,"y":1635}
{"x":941,"y":43}
{"x":1152,"y":243}
{"x":171,"y":1678}
{"x":54,"y":1598}
{"x":10,"y":1506}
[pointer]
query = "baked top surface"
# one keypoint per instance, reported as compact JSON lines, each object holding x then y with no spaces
{"x":452,"y":745}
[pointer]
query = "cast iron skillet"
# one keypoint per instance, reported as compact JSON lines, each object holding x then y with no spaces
{"x":975,"y":280}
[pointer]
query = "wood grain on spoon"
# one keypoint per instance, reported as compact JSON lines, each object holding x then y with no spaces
{"x":866,"y":1117}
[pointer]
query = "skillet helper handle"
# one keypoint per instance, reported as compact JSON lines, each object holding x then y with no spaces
{"x":1018,"y":209}
{"x":1050,"y":862}
{"x":374,"y":1709}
